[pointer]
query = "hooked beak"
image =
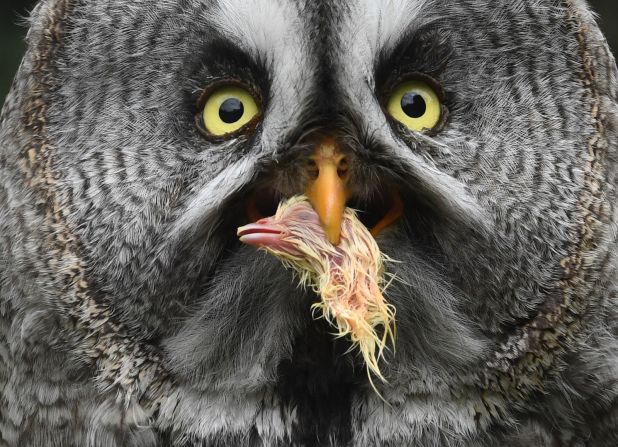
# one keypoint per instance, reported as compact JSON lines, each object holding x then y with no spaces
{"x":328,"y":192}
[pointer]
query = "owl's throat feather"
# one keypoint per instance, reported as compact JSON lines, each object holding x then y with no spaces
{"x":349,"y":277}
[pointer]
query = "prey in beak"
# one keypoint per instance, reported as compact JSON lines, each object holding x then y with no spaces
{"x":348,"y":276}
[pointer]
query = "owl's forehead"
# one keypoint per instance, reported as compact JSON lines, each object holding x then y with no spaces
{"x":285,"y":28}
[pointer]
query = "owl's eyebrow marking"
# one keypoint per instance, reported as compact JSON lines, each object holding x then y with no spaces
{"x":221,"y":58}
{"x":419,"y":50}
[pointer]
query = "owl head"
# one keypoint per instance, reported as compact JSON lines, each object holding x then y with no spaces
{"x":476,"y":140}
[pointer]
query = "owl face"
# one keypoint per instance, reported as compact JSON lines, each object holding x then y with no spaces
{"x":180,"y":121}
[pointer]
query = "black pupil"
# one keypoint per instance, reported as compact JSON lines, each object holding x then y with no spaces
{"x":231,"y":110}
{"x":413,"y":105}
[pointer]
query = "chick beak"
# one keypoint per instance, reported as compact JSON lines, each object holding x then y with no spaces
{"x":328,"y":191}
{"x":266,"y":234}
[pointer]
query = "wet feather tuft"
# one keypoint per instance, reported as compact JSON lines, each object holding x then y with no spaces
{"x":349,"y":277}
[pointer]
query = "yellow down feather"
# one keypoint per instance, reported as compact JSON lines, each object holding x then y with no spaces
{"x":349,"y":277}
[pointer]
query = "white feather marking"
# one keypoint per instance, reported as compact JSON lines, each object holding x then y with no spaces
{"x":205,"y":205}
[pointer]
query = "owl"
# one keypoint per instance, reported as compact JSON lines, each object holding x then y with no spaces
{"x":476,"y":141}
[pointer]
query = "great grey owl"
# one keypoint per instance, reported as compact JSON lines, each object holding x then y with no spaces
{"x":139,"y":135}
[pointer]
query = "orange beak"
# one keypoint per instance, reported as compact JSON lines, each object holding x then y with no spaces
{"x":328,"y":192}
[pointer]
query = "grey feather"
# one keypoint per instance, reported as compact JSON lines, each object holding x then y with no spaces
{"x":131,"y":316}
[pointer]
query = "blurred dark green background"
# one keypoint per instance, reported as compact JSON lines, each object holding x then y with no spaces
{"x":13,"y":28}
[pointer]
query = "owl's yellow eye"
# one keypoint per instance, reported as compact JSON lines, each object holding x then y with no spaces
{"x":228,"y":109}
{"x":416,"y":105}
